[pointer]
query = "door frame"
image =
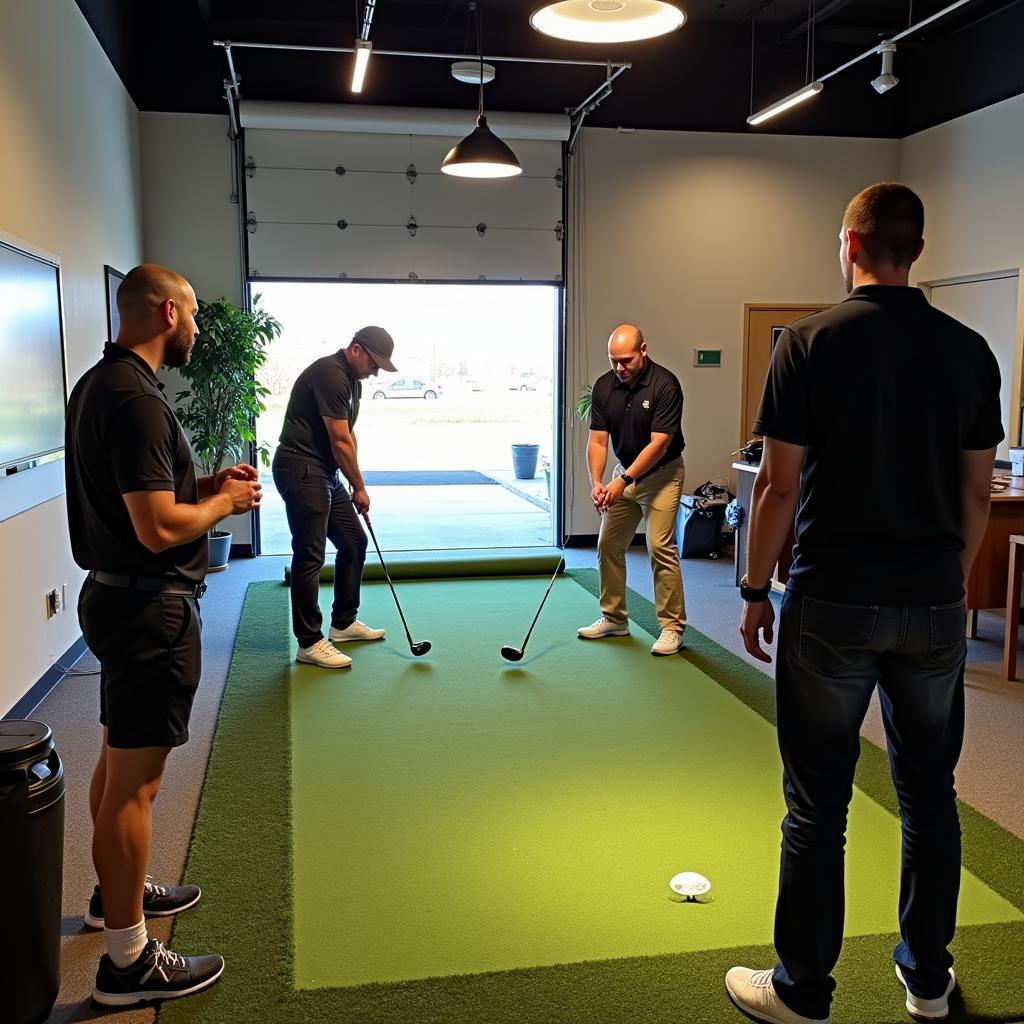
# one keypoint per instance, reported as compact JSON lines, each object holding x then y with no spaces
{"x":762,"y":307}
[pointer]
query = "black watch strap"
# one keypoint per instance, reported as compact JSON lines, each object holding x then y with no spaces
{"x":626,"y":479}
{"x":749,"y":593}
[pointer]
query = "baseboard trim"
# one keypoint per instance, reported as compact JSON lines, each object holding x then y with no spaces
{"x":46,"y":683}
{"x":242,"y":551}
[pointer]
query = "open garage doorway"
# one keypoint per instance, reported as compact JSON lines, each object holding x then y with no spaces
{"x":456,"y":447}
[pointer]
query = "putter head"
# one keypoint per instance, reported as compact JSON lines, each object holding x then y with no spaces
{"x":511,"y":654}
{"x":420,"y":649}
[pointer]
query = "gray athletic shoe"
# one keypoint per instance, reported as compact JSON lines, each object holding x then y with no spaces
{"x":157,"y":901}
{"x":158,"y":974}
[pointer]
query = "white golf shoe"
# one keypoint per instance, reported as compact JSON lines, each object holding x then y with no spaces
{"x":324,"y":654}
{"x":602,"y":628}
{"x":928,"y":1009}
{"x":355,"y":631}
{"x":669,"y":642}
{"x":754,"y":993}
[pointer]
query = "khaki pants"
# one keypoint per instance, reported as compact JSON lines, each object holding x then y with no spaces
{"x":656,"y":499}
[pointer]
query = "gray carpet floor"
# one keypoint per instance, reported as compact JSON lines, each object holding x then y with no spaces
{"x":989,"y":776}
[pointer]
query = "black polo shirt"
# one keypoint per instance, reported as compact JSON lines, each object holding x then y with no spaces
{"x":885,"y":392}
{"x":121,"y":435}
{"x":630,"y":413}
{"x":324,"y":388}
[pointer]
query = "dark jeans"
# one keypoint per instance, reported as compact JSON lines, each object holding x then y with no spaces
{"x":830,"y":659}
{"x":318,"y":506}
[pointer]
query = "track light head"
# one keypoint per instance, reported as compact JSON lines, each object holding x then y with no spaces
{"x":886,"y":80}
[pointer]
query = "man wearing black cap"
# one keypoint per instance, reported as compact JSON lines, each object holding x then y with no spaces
{"x":317,"y":440}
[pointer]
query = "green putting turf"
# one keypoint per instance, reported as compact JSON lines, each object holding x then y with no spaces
{"x":461,"y":816}
{"x":481,"y":816}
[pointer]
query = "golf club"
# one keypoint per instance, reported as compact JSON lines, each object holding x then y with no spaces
{"x":516,"y":653}
{"x":423,"y":646}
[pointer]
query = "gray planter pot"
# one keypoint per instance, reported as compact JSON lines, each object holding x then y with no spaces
{"x":524,"y":460}
{"x":220,"y":551}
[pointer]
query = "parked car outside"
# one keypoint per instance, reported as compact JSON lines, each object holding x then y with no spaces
{"x":406,"y":387}
{"x":526,"y":381}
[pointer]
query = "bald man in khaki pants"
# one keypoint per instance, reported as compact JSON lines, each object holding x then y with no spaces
{"x":639,"y":406}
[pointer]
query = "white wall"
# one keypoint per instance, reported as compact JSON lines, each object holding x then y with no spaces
{"x":69,"y":183}
{"x":970,"y":174}
{"x":682,"y":229}
{"x":190,"y":223}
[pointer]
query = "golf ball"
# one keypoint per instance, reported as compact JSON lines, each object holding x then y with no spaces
{"x":688,"y":884}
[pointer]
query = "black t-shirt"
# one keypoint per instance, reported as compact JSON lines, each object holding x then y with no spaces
{"x":885,"y":392}
{"x":121,"y":436}
{"x":324,"y":388}
{"x":630,"y":413}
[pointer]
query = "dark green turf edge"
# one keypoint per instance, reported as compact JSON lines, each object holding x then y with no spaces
{"x":241,"y":853}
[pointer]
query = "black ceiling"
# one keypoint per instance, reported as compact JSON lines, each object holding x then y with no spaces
{"x":696,"y":79}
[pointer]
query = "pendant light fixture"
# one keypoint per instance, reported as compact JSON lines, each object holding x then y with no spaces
{"x":607,"y":21}
{"x":481,"y":154}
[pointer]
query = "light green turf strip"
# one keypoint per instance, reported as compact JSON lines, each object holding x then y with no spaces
{"x":489,"y":817}
{"x":241,"y":854}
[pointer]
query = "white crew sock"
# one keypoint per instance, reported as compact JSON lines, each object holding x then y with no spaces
{"x":125,"y":945}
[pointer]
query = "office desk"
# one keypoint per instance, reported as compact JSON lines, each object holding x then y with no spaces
{"x":986,"y":587}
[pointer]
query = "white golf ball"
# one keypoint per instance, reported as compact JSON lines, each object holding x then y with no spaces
{"x":689,"y":884}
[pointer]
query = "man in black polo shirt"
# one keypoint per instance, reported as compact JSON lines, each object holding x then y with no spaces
{"x":138,"y":519}
{"x":639,"y":405}
{"x":880,"y":419}
{"x":317,"y":440}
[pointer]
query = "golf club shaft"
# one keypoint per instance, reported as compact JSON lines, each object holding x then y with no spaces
{"x":388,"y":578}
{"x":529,"y":632}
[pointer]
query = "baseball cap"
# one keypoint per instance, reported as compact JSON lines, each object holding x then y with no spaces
{"x":379,"y":344}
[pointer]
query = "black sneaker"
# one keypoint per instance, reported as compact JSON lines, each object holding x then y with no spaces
{"x":157,"y":974}
{"x":157,"y":901}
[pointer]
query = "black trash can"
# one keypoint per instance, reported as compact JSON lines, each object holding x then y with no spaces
{"x":31,"y":870}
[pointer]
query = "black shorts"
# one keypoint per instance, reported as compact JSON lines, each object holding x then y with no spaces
{"x":150,"y":654}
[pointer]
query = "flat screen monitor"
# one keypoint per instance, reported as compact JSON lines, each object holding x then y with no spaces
{"x":32,"y":373}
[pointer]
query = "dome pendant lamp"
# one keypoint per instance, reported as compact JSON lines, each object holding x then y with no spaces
{"x":607,"y":21}
{"x":481,"y":154}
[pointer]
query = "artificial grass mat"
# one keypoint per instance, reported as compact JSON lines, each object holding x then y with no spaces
{"x":524,"y":871}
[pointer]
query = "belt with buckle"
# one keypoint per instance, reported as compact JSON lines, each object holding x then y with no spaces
{"x":152,"y":584}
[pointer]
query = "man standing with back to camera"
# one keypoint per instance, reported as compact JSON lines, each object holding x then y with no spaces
{"x":881,"y":416}
{"x":317,"y":439}
{"x":138,"y":520}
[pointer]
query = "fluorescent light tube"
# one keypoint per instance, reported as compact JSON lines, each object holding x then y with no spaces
{"x":790,"y":101}
{"x":362,"y":55}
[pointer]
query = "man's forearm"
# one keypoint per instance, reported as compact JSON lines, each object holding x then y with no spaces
{"x":975,"y":520}
{"x":771,"y":518}
{"x":648,"y":458}
{"x":348,"y":463}
{"x":597,"y":459}
{"x":185,"y":522}
{"x":205,"y":487}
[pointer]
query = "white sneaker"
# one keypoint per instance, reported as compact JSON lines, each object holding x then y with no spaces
{"x":669,"y":642}
{"x":928,"y":1009}
{"x":754,"y":993}
{"x":602,"y":628}
{"x":355,"y":631}
{"x":324,"y":654}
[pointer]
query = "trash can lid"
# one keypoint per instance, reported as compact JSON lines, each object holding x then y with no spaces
{"x":23,"y":741}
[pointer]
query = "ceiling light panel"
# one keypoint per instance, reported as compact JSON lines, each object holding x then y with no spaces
{"x":607,"y":21}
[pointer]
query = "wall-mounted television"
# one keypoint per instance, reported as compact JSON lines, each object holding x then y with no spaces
{"x":33,"y":385}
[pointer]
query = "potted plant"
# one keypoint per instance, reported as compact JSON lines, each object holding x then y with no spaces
{"x":224,"y":398}
{"x":584,"y":401}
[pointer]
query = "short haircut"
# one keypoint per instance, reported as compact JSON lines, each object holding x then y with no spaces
{"x":145,"y":287}
{"x":889,"y":219}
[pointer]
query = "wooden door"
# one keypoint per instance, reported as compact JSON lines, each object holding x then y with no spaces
{"x":761,"y":328}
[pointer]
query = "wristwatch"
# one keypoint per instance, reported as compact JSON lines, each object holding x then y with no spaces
{"x":626,"y":479}
{"x":753,"y":594}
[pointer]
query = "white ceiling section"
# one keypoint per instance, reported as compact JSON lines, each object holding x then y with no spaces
{"x":376,"y":170}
